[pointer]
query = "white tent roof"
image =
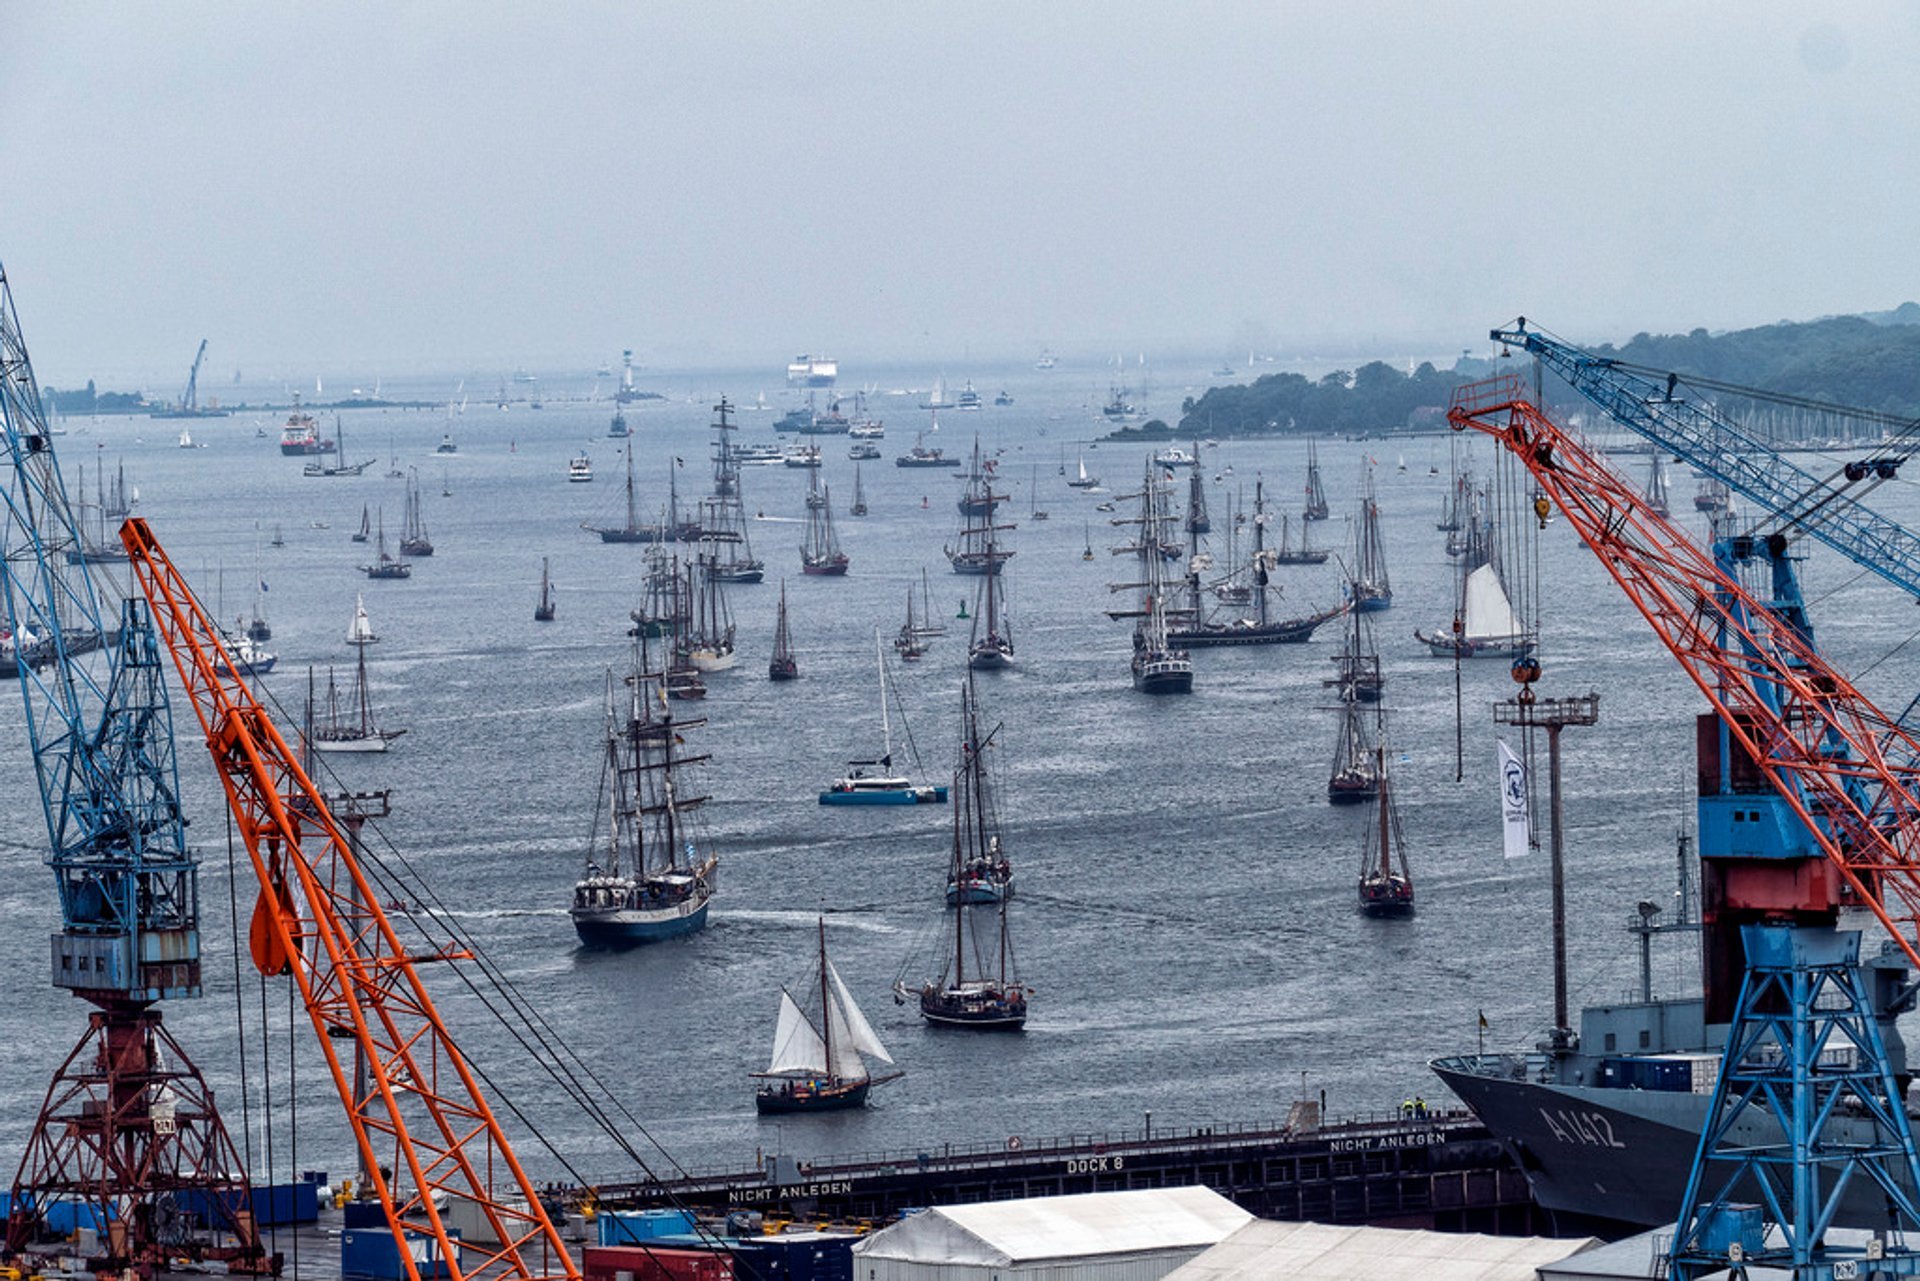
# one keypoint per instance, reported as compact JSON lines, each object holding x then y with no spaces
{"x":1006,"y":1233}
{"x":1321,"y":1252}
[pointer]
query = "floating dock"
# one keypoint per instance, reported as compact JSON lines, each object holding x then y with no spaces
{"x":1440,"y":1170}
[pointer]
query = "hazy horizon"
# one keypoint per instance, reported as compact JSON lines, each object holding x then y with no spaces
{"x":360,"y":190}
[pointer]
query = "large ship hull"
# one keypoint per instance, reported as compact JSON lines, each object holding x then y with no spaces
{"x":1613,"y":1154}
{"x":628,"y":927}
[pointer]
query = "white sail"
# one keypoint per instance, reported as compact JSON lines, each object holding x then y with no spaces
{"x":846,"y":1063}
{"x":796,"y":1046}
{"x":860,"y":1033}
{"x":1489,"y":614}
{"x":360,"y":631}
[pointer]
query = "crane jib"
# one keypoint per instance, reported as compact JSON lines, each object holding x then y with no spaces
{"x":1796,"y":501}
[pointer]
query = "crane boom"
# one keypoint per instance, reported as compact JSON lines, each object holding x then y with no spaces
{"x":1828,"y":508}
{"x":1833,"y":756}
{"x":424,"y":1127}
{"x":1803,"y":811}
{"x":190,"y":399}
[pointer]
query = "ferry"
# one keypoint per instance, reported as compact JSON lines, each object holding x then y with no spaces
{"x":812,"y":371}
{"x":579,"y":469}
{"x":757,"y":455}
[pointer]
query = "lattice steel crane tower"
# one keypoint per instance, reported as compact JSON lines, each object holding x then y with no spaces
{"x":128,"y":1125}
{"x":1809,"y":804}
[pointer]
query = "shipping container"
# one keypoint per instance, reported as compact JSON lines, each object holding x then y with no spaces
{"x":795,"y":1256}
{"x":628,"y":1227}
{"x":371,"y":1254}
{"x":654,"y":1263}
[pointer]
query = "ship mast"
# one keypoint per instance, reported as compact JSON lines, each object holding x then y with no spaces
{"x":826,"y":1014}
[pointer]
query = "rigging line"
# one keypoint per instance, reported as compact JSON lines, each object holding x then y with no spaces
{"x":239,"y":999}
{"x":1911,"y":637}
{"x":266,"y":1095}
{"x":293,"y":1115}
{"x":1906,"y":422}
{"x":1831,"y":592}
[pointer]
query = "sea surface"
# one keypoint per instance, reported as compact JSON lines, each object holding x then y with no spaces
{"x":1186,"y":896}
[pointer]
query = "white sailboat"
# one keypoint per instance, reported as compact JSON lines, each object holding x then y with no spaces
{"x":818,"y":1065}
{"x":1490,"y":629}
{"x":360,"y":630}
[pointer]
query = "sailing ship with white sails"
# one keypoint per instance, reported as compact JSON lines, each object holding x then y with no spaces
{"x":1487,"y":624}
{"x":651,"y":868}
{"x":819,"y":1063}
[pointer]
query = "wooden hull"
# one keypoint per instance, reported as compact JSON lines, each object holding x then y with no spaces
{"x":779,"y":1098}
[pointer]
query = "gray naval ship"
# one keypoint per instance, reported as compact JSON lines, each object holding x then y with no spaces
{"x":1605,"y":1125}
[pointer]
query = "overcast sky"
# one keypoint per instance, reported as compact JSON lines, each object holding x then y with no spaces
{"x":439,"y":185}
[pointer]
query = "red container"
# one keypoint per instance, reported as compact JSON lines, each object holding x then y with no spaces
{"x":655,"y":1263}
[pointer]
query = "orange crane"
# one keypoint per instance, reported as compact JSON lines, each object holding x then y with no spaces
{"x":423,"y":1125}
{"x":1809,"y":793}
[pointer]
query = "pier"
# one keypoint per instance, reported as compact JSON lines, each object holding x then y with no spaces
{"x":1440,"y":1170}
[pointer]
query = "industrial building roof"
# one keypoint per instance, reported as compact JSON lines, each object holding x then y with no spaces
{"x":1321,"y":1252}
{"x":1006,"y":1233}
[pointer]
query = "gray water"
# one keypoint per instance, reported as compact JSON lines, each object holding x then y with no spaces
{"x":1186,"y":895}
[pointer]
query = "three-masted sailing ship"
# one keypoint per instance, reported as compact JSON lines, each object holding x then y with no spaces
{"x":706,"y":643}
{"x":818,"y":1063}
{"x":669,"y":528}
{"x":979,"y":986}
{"x":975,"y":549}
{"x":1369,"y":589}
{"x":1157,"y":666}
{"x":723,"y":517}
{"x":650,"y":868}
{"x":820,"y":554}
{"x":1194,"y":627}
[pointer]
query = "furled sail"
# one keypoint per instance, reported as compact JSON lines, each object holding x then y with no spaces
{"x":797,"y":1047}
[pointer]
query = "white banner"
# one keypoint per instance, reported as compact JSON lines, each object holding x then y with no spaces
{"x":1513,"y":802}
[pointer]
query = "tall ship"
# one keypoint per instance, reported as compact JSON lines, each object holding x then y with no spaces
{"x":1370,"y":589}
{"x":1158,"y":667}
{"x":812,"y":371}
{"x":991,"y":646}
{"x":1386,"y":885}
{"x":979,"y":985}
{"x":670,"y":525}
{"x":1358,"y":677}
{"x":783,"y":666}
{"x":1316,"y":504}
{"x":650,"y":866}
{"x":1353,"y":777}
{"x":723,"y":517}
{"x":820,"y":1050}
{"x":345,"y":723}
{"x":385,"y":565}
{"x":707,"y":643}
{"x":413,"y":530}
{"x":1228,"y":623}
{"x":820,"y":554}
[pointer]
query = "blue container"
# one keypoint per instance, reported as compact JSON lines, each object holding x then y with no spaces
{"x":371,"y":1254}
{"x":795,"y":1256}
{"x":63,"y":1217}
{"x":632,"y":1227}
{"x":275,"y":1205}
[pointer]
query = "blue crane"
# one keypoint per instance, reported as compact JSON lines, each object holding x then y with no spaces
{"x":128,"y":1121}
{"x":190,"y":400}
{"x":1798,"y":502}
